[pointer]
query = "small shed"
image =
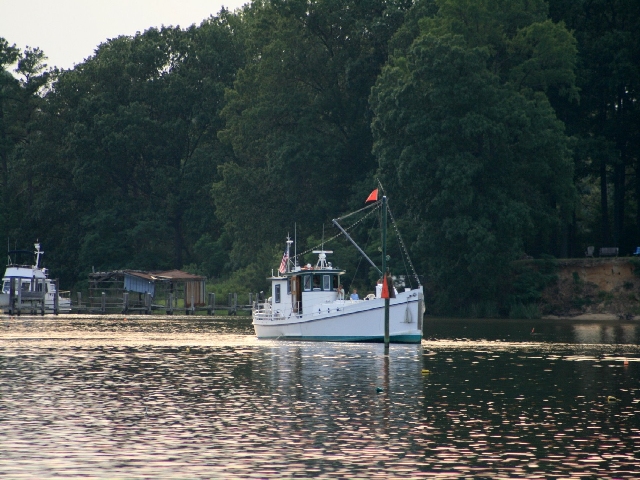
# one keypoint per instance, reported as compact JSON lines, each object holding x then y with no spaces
{"x":193,"y":286}
{"x":108,"y":288}
{"x":140,"y":282}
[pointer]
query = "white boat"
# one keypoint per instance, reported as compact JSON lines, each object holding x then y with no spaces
{"x":305,"y":305}
{"x":32,"y":287}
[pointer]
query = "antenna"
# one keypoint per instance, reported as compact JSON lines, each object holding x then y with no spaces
{"x":38,"y":252}
{"x":289,"y":242}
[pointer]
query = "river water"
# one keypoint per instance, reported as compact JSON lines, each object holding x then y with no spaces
{"x":198,"y":397}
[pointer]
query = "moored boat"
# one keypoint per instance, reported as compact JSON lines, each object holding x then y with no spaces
{"x":306,"y":304}
{"x":29,"y":288}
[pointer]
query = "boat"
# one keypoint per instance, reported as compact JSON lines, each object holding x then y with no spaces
{"x":29,"y":288}
{"x":306,"y":303}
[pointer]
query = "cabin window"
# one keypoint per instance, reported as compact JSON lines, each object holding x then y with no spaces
{"x":335,"y":282}
{"x":276,"y":293}
{"x":307,"y":283}
{"x":326,"y":282}
{"x":316,"y":282}
{"x":289,"y":286}
{"x":25,"y":286}
{"x":6,"y":287}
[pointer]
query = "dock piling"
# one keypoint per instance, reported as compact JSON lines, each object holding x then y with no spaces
{"x":211,"y":310}
{"x":55,"y":297}
{"x":170,"y":304}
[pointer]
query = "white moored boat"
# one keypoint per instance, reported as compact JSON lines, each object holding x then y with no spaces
{"x":32,"y":287}
{"x":305,"y":305}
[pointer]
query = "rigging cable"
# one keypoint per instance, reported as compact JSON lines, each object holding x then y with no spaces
{"x":377,"y":205}
{"x":402,"y":245}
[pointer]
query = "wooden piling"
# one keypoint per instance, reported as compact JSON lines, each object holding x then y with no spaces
{"x":56,"y":297}
{"x":19,"y":302}
{"x":12,"y":296}
{"x":211,"y":309}
{"x":43,"y":298}
{"x":169,"y":306}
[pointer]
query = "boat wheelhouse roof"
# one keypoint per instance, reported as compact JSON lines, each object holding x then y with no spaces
{"x":307,"y":271}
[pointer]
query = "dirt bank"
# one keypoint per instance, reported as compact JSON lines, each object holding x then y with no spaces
{"x":594,"y":288}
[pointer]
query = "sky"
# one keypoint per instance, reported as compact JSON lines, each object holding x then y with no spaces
{"x":68,"y":31}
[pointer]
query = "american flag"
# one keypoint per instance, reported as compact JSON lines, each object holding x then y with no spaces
{"x":283,"y":263}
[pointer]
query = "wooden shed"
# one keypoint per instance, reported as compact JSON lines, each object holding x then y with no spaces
{"x":108,"y":288}
{"x":193,"y":286}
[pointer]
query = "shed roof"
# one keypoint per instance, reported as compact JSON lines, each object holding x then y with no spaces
{"x":165,"y":275}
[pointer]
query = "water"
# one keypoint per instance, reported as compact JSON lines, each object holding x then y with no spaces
{"x":151,"y":397}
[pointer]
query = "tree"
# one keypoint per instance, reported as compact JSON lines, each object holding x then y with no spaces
{"x":480,"y":159}
{"x":21,"y":103}
{"x":298,"y":116}
{"x":607,"y":121}
{"x":141,"y":119}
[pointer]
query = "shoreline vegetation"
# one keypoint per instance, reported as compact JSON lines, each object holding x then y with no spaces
{"x":506,"y":135}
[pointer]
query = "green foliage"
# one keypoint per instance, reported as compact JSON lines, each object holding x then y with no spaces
{"x":530,"y":279}
{"x":201,"y":148}
{"x":298,"y":117}
{"x":485,"y":169}
{"x":488,"y":309}
{"x":635,"y":261}
{"x":528,"y":311}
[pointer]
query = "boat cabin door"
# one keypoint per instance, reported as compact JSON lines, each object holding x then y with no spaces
{"x":296,"y":294}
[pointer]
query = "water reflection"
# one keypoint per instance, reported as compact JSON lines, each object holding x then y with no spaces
{"x":189,"y":398}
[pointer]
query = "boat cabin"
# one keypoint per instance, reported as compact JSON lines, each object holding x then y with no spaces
{"x":306,"y":286}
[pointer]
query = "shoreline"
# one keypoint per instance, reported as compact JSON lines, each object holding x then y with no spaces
{"x":593,"y":317}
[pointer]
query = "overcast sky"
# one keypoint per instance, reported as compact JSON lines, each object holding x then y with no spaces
{"x":68,"y":31}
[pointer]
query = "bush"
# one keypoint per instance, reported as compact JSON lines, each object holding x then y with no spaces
{"x":529,"y":311}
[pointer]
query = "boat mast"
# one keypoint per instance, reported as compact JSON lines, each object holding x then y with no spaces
{"x":38,"y":253}
{"x":289,"y":242}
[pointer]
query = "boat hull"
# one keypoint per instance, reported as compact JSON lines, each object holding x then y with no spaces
{"x":348,"y":321}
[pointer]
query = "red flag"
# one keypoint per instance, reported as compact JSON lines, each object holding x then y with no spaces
{"x":385,"y":288}
{"x":373,"y":196}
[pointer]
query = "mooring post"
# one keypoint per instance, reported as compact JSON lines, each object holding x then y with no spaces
{"x":125,"y":302}
{"x":147,"y":303}
{"x":43,"y":298}
{"x":384,"y":272}
{"x":211,"y":303}
{"x":56,"y":297}
{"x":19,"y":303}
{"x":103,"y":303}
{"x":193,"y":305}
{"x":79,"y":300}
{"x":169,"y":304}
{"x":12,"y":295}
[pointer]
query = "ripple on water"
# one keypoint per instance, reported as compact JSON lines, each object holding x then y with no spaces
{"x":158,"y":397}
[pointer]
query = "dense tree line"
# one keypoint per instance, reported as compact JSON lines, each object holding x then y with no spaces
{"x":499,"y":129}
